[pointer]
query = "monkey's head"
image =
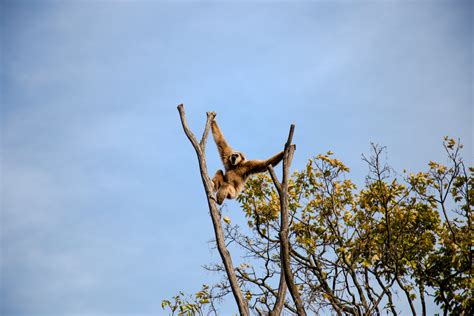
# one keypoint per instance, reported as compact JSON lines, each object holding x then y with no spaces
{"x":236,"y":158}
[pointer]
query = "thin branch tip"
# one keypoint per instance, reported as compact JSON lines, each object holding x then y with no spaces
{"x":290,"y":135}
{"x":210,"y":118}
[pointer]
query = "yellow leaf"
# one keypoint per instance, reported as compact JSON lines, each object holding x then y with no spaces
{"x":347,"y":216}
{"x":248,"y":295}
{"x":227,"y":220}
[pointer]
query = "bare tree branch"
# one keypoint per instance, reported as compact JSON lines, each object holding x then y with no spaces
{"x":280,"y":299}
{"x":215,"y":215}
{"x":275,"y":179}
{"x":407,"y":294}
{"x":210,"y":117}
{"x":283,"y":234}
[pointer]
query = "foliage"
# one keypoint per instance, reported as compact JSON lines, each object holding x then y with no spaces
{"x":192,"y":305}
{"x":352,"y":250}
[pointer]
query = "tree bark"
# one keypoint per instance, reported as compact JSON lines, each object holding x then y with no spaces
{"x":282,"y":189}
{"x":280,"y":300}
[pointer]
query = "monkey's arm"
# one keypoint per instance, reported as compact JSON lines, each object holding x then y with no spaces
{"x":257,"y":166}
{"x":222,"y":146}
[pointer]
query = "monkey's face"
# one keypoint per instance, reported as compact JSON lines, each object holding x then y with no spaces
{"x":236,"y":158}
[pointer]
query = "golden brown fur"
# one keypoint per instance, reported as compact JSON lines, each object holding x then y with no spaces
{"x":237,"y":168}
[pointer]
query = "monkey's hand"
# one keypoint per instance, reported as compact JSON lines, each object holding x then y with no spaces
{"x":212,"y":197}
{"x":212,"y":115}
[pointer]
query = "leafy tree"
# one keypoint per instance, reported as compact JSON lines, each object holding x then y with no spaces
{"x":352,"y":250}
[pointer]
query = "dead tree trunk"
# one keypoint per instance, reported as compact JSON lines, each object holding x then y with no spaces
{"x":282,"y":189}
{"x":215,"y":214}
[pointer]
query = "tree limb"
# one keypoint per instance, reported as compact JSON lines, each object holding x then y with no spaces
{"x":210,"y":117}
{"x":283,"y":234}
{"x":215,"y":215}
{"x":280,"y":297}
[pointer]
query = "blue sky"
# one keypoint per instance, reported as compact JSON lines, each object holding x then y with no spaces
{"x":102,"y":206}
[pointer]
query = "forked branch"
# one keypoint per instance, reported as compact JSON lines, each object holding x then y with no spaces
{"x":215,"y":214}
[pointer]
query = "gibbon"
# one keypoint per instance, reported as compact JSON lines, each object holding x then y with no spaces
{"x":237,"y":168}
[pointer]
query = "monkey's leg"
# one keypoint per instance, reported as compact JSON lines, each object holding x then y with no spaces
{"x":225,"y":191}
{"x":217,"y":180}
